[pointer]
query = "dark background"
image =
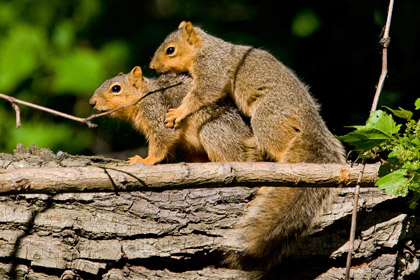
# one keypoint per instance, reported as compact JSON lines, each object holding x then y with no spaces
{"x":55,"y":53}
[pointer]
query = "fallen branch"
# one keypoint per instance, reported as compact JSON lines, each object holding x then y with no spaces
{"x":181,"y":176}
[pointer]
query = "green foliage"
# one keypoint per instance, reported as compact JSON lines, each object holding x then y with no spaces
{"x":22,"y":48}
{"x":55,"y":53}
{"x":50,"y":135}
{"x":305,"y":23}
{"x":399,"y":148}
{"x":43,"y":53}
{"x":78,"y":72}
{"x":379,"y":127}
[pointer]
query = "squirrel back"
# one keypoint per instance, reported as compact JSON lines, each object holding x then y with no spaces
{"x":285,"y":121}
{"x":284,"y":117}
{"x":216,"y":132}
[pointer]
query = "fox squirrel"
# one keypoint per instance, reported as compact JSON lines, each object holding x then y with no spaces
{"x":215,"y":132}
{"x":285,"y":122}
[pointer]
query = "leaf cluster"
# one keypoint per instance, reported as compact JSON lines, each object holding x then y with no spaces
{"x":398,"y":146}
{"x":49,"y":60}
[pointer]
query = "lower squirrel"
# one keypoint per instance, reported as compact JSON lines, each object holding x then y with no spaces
{"x":216,"y":132}
{"x":285,"y":121}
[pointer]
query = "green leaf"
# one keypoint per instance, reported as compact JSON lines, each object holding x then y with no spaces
{"x":409,"y":165}
{"x":415,"y":181}
{"x":7,"y":14}
{"x":115,"y":56}
{"x":383,"y":122}
{"x":379,"y":127}
{"x":417,"y":103}
{"x":401,"y":113}
{"x":305,"y":23}
{"x":50,"y":135}
{"x":394,"y":183}
{"x":20,"y":55}
{"x":416,"y":141}
{"x":364,"y":138}
{"x":79,"y":72}
{"x":64,"y":35}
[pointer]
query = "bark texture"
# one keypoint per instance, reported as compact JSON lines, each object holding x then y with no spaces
{"x":117,"y":177}
{"x":181,"y":234}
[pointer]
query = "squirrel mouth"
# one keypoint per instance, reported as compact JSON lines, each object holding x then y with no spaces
{"x":101,"y":110}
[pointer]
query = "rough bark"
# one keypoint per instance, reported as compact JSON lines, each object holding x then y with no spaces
{"x":111,"y":178}
{"x":180,"y":234}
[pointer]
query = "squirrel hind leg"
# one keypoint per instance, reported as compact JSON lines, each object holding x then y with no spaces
{"x":274,"y":133}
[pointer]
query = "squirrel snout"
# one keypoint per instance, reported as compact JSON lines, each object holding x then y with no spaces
{"x":152,"y":65}
{"x":92,"y":102}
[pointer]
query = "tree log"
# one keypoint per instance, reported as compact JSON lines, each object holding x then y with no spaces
{"x":181,"y":234}
{"x":105,"y":178}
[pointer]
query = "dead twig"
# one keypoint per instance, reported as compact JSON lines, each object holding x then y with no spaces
{"x":384,"y":42}
{"x":87,"y":121}
{"x":17,"y":110}
{"x":15,"y":101}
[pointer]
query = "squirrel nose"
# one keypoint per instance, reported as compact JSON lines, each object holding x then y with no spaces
{"x":152,"y":64}
{"x":92,"y":103}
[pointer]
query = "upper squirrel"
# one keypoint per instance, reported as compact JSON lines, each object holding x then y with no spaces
{"x":284,"y":119}
{"x":215,"y":132}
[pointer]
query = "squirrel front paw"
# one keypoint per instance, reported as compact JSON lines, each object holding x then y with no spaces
{"x":173,"y":118}
{"x":148,"y":160}
{"x":135,"y":159}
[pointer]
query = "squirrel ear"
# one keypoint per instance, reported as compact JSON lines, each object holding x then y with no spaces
{"x":136,"y":77}
{"x":189,"y":33}
{"x":136,"y":73}
{"x":182,"y":24}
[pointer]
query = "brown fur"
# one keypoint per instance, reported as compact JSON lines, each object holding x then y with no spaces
{"x":215,"y":132}
{"x":284,"y":119}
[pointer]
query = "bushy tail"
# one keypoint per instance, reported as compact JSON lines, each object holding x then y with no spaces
{"x":276,"y":218}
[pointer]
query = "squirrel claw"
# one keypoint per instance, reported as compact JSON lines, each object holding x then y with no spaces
{"x":148,"y":160}
{"x":169,"y":123}
{"x":136,"y":159}
{"x":173,"y":118}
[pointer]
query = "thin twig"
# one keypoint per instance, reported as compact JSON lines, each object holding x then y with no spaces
{"x":128,"y":105}
{"x":87,"y":120}
{"x":38,"y":107}
{"x":354,"y":220}
{"x":384,"y":42}
{"x":17,"y":110}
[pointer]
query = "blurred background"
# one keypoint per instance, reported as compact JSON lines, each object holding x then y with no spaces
{"x":56,"y":53}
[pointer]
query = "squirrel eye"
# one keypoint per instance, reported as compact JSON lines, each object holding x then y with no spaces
{"x":116,"y":88}
{"x":170,"y":50}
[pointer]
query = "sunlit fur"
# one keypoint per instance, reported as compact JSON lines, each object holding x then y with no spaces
{"x":216,"y":132}
{"x":286,"y":124}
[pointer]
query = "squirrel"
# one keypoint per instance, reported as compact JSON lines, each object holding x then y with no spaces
{"x":285,"y":121}
{"x":216,"y":132}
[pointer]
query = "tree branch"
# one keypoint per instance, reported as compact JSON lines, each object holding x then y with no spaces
{"x":384,"y":42}
{"x":181,"y":176}
{"x":42,"y":108}
{"x":87,"y":120}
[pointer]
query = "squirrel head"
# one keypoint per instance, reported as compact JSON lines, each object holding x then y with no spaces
{"x":179,"y":50}
{"x":123,"y":89}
